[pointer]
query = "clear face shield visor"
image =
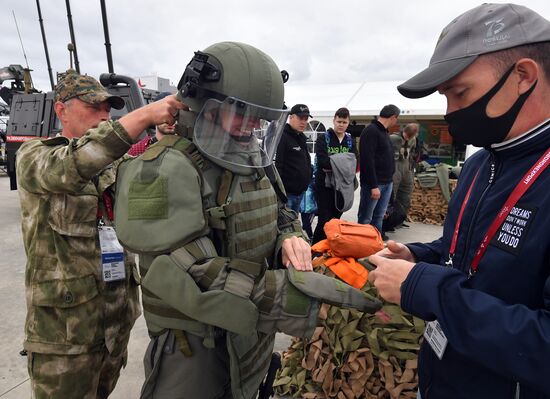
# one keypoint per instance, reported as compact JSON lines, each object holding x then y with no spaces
{"x":239,"y":133}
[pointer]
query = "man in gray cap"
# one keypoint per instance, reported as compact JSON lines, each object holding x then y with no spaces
{"x":293,"y":161}
{"x":484,"y":286}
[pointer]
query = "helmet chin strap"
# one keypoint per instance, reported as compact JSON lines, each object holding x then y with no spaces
{"x":185,"y":123}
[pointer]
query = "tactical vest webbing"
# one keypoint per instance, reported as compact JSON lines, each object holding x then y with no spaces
{"x":168,"y":211}
{"x":241,"y":210}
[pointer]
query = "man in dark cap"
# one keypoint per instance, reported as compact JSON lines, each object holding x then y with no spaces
{"x":293,"y":160}
{"x":376,"y":166}
{"x":484,"y":286}
{"x":81,"y":287}
{"x":160,"y":130}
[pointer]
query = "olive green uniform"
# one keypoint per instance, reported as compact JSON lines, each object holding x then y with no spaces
{"x":77,"y":326}
{"x":207,"y":221}
{"x":213,"y":291}
{"x":244,"y":229}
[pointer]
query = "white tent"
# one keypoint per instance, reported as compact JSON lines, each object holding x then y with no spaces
{"x":363,"y":99}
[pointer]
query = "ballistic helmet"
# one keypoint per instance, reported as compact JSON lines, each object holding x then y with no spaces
{"x":231,"y":69}
{"x":237,"y":92}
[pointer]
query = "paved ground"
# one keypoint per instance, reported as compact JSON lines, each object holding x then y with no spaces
{"x":14,"y":382}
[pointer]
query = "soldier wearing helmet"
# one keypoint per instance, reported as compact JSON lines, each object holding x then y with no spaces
{"x":235,"y":94}
{"x":223,"y":261}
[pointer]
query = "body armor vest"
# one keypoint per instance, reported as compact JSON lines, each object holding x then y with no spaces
{"x":240,"y":212}
{"x":206,"y":239}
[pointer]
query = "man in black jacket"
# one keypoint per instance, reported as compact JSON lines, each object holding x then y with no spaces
{"x":377,"y":167}
{"x":293,"y":160}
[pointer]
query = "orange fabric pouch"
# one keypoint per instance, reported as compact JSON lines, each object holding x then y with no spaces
{"x":349,"y":239}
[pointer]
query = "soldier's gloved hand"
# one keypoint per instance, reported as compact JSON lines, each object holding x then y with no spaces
{"x":289,"y":300}
{"x":296,"y":251}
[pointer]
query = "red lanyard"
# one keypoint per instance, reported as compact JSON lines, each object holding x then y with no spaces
{"x":459,"y":221}
{"x":523,"y":185}
{"x":108,"y":204}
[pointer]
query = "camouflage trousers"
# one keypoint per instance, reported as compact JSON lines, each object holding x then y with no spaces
{"x":170,"y":374}
{"x":85,"y":376}
{"x":403,"y":184}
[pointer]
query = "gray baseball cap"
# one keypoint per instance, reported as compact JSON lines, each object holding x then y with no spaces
{"x":484,"y":29}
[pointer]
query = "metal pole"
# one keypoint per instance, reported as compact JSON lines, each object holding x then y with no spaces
{"x":107,"y":41}
{"x":45,"y":44}
{"x":71,"y":30}
{"x":20,"y":40}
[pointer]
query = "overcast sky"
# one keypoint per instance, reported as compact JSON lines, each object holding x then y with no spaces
{"x":323,"y":41}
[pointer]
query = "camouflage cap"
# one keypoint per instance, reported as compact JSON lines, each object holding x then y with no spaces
{"x":86,"y":89}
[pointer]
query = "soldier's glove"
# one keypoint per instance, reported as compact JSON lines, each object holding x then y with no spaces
{"x":289,"y":300}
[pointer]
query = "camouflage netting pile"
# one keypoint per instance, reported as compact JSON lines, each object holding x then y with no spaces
{"x":428,"y":205}
{"x":354,"y":355}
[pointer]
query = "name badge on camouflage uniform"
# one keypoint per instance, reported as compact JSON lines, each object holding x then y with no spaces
{"x":112,"y":255}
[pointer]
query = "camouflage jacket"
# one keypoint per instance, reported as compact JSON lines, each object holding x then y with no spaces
{"x":70,"y":309}
{"x":403,"y":150}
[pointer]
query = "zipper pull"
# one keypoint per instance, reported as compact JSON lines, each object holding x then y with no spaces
{"x":492,"y":175}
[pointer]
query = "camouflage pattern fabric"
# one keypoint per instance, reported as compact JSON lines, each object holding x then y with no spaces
{"x":86,"y":89}
{"x":354,"y":355}
{"x":403,"y":185}
{"x":86,"y":376}
{"x":403,"y":150}
{"x":70,"y":310}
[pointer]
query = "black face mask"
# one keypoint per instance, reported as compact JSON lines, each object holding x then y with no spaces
{"x":471,"y":125}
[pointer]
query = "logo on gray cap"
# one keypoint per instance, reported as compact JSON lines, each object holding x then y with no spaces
{"x":494,"y":32}
{"x":481,"y":30}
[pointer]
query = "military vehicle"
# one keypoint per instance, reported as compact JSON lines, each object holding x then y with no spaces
{"x":31,"y":112}
{"x":20,"y":83}
{"x":4,"y":115}
{"x":32,"y":115}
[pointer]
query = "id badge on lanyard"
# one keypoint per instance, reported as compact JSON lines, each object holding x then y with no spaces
{"x":434,"y":335}
{"x":112,"y":255}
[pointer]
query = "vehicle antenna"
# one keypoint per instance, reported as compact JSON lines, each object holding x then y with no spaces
{"x":73,"y":41}
{"x":45,"y":43}
{"x":107,"y":41}
{"x":20,"y":40}
{"x":27,"y":80}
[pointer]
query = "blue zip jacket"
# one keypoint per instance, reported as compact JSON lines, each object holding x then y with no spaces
{"x":498,"y":322}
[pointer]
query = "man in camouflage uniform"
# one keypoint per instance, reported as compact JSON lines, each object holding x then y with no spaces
{"x":404,"y":149}
{"x":78,"y":318}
